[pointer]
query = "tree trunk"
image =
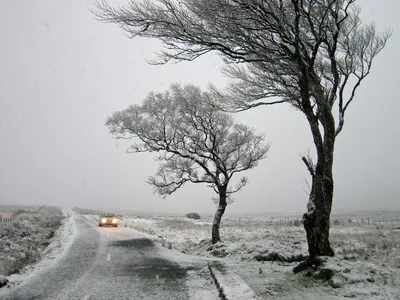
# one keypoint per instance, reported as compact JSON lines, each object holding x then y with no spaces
{"x":215,"y":236}
{"x":317,"y":218}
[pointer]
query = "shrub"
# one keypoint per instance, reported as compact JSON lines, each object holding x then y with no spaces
{"x":22,"y":240}
{"x":193,"y":215}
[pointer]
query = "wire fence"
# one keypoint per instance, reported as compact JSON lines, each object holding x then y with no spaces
{"x":9,"y":216}
{"x":6,"y":218}
{"x":334,"y":221}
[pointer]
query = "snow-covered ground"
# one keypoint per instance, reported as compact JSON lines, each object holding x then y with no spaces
{"x":29,"y":232}
{"x":263,"y":252}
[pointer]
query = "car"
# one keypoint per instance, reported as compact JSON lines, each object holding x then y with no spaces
{"x":108,"y":219}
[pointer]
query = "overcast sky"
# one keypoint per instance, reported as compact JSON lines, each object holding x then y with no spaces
{"x":62,"y":73}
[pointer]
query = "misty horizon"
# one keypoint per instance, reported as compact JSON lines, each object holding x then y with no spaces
{"x":61,"y":79}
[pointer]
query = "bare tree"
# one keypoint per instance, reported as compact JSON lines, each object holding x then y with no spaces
{"x":197,"y":143}
{"x":313,"y":54}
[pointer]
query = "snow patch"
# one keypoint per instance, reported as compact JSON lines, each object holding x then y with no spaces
{"x":231,"y":285}
{"x":184,"y":260}
{"x":200,"y":285}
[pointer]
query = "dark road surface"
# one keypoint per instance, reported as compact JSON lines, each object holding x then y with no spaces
{"x":112,"y":263}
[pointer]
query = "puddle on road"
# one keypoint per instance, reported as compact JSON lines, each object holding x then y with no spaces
{"x":139,"y":243}
{"x":155,"y":268}
{"x":145,"y":263}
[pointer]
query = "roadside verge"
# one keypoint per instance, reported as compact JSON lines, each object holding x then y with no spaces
{"x":58,"y":245}
{"x":230,"y":285}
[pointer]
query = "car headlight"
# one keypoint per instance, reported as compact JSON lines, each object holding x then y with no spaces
{"x":104,"y":220}
{"x":114,"y":221}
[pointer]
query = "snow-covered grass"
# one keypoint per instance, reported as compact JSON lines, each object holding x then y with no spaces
{"x":23,"y":240}
{"x":367,"y":242}
{"x":241,"y":235}
{"x":59,"y":243}
{"x":263,"y":251}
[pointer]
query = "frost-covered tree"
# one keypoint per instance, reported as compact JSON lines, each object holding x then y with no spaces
{"x":312,"y":54}
{"x":197,"y":143}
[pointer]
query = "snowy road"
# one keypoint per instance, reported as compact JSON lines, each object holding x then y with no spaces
{"x":116,"y":263}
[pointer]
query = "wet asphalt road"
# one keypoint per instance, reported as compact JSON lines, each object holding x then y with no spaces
{"x":107,"y":263}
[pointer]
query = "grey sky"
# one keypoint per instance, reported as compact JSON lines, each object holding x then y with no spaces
{"x":62,"y":73}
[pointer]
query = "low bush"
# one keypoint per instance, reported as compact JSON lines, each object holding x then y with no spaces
{"x":23,"y":240}
{"x":193,"y":215}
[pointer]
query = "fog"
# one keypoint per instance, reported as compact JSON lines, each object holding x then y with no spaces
{"x":62,"y":73}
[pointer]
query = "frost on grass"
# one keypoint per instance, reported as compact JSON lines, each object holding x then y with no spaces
{"x":23,"y":241}
{"x":263,"y":251}
{"x":262,"y":239}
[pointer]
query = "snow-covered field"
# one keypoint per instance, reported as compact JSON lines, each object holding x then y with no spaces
{"x":263,"y":252}
{"x":32,"y":241}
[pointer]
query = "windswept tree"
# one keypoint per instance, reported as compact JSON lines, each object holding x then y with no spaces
{"x":196,"y":143}
{"x":312,"y":54}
